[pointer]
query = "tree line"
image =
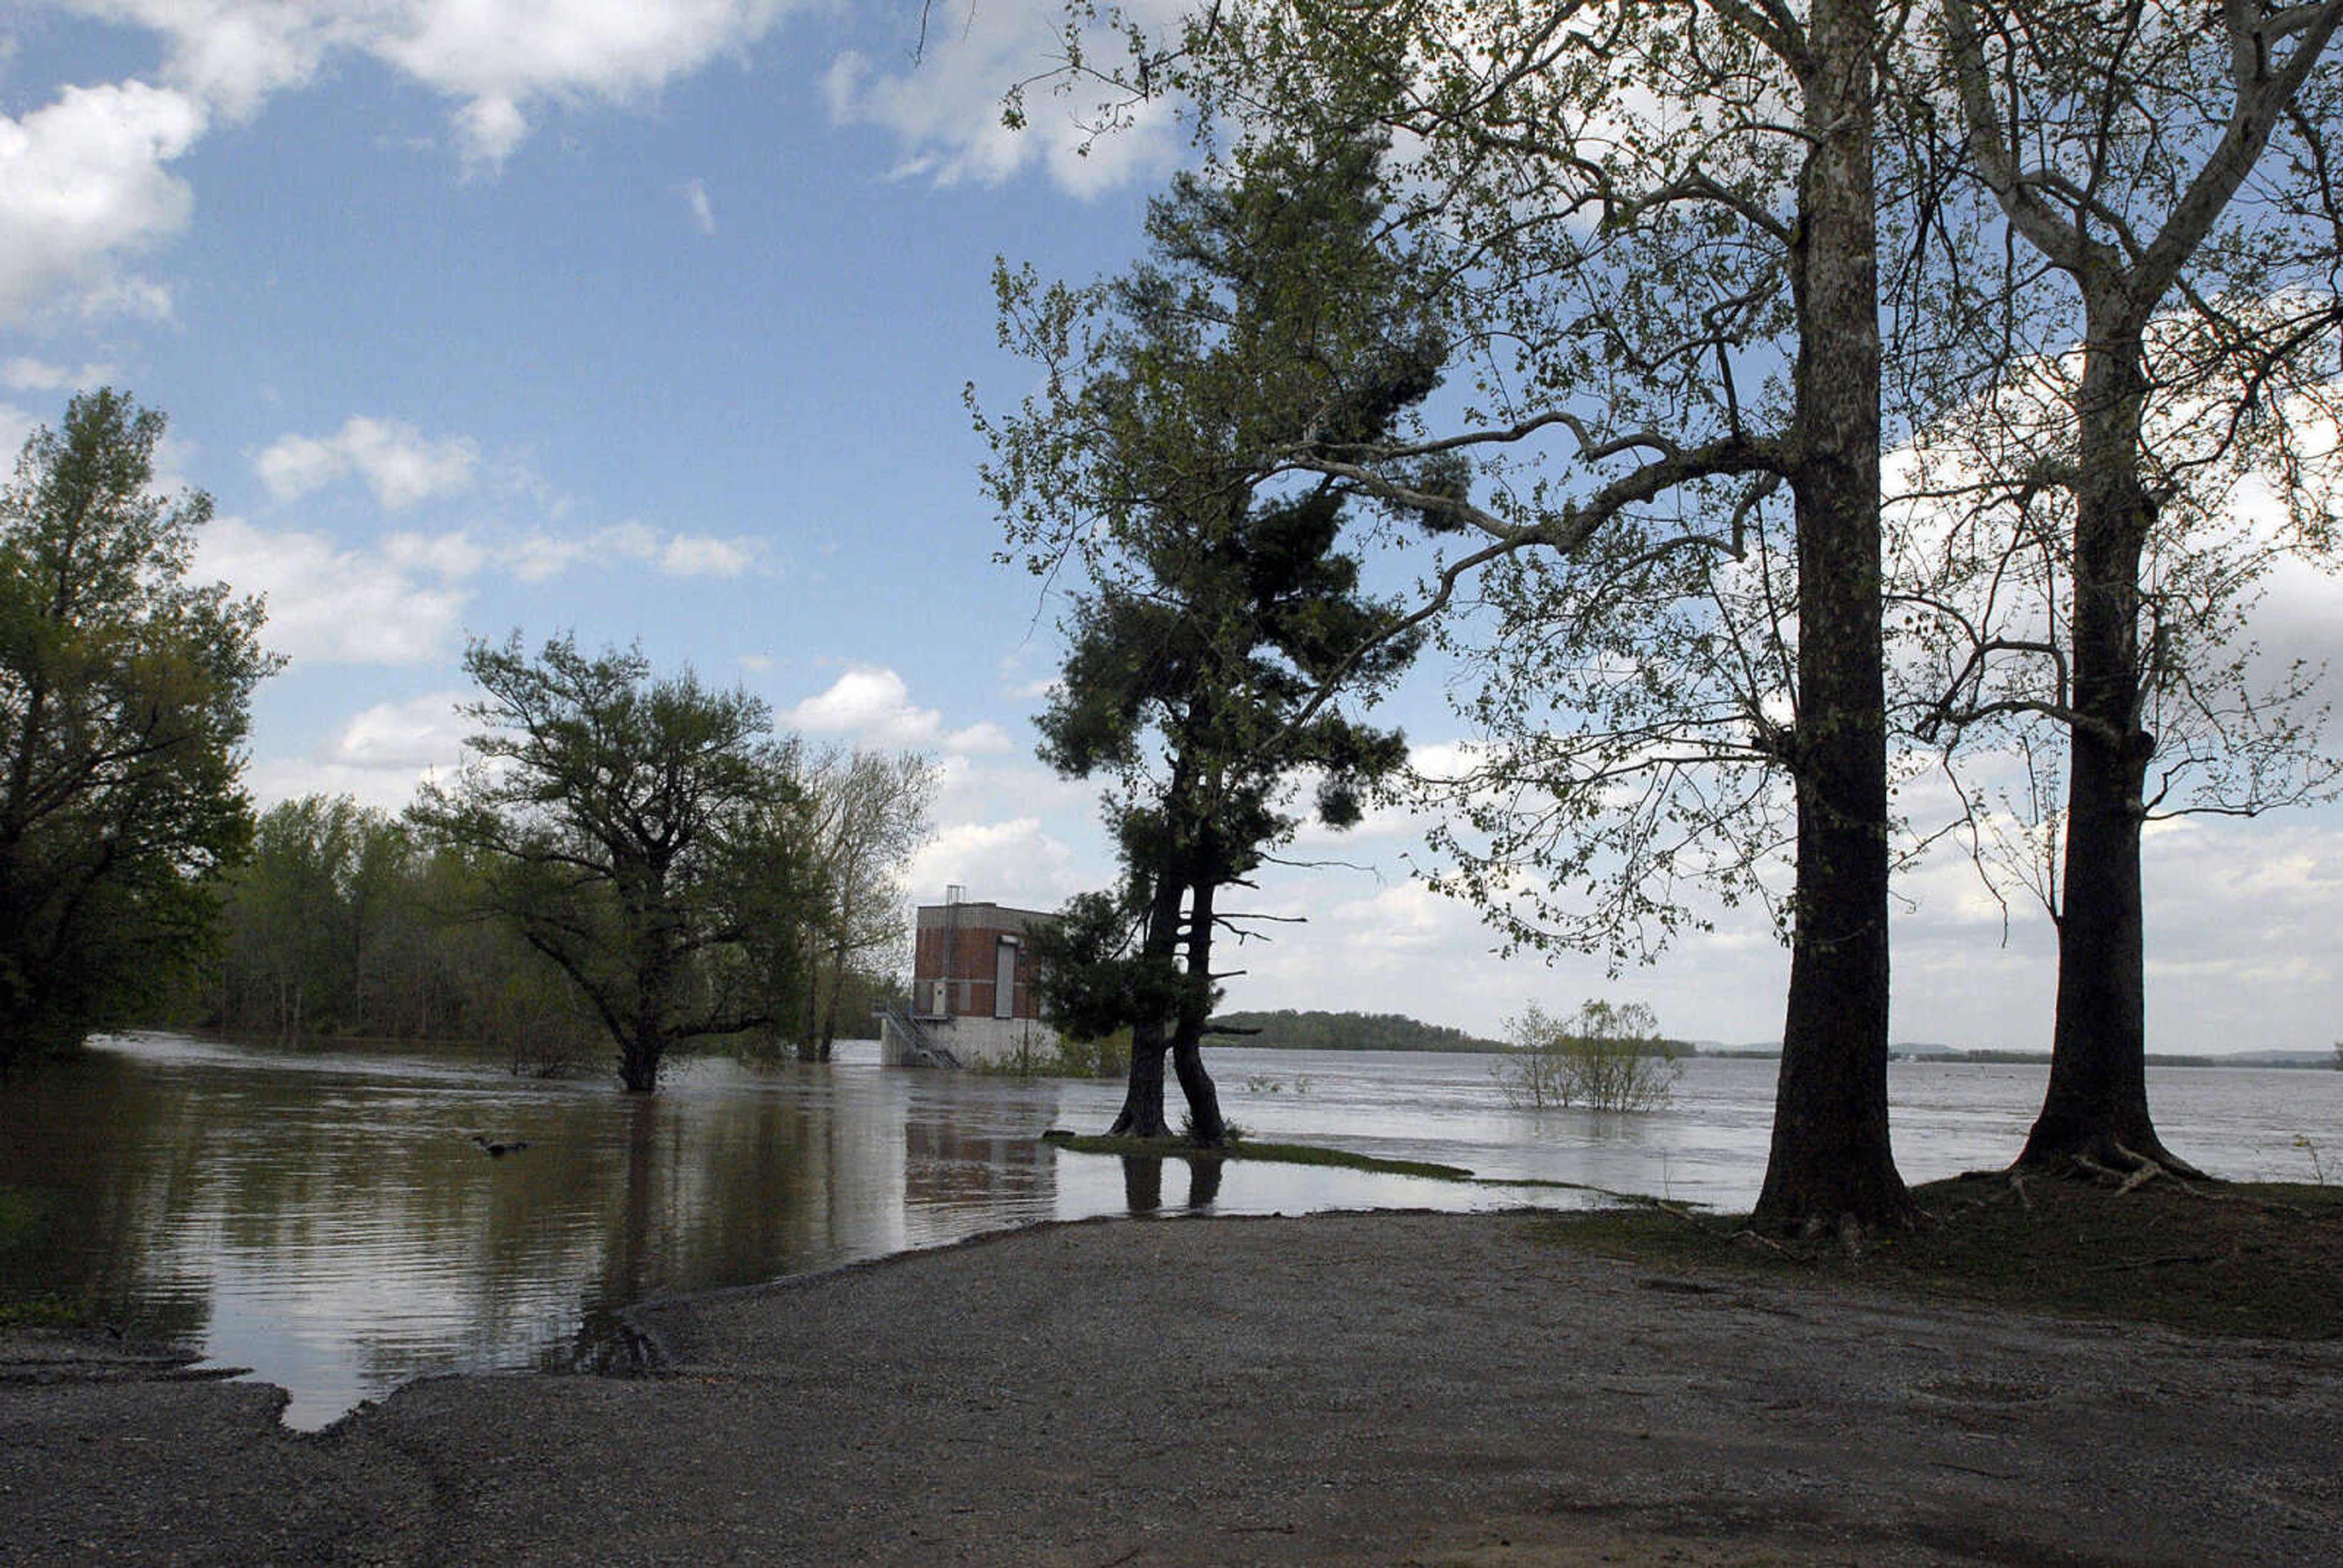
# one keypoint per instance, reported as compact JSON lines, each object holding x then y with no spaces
{"x":1291,"y":1029}
{"x":625,"y":855}
{"x":1830,"y":397}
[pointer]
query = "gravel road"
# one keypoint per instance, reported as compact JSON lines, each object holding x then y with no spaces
{"x":1380,"y":1388}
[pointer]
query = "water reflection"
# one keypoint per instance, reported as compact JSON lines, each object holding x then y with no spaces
{"x":1142,"y":1183}
{"x":328,"y":1219}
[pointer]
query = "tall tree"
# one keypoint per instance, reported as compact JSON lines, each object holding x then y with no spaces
{"x":1643,"y":212}
{"x":646,"y":836}
{"x":1224,"y":626}
{"x":2121,"y":144}
{"x":125,"y":696}
{"x":869,"y":813}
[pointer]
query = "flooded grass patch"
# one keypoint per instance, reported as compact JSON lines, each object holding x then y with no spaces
{"x":1249,"y":1149}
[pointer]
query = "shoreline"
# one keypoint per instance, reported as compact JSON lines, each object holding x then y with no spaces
{"x":1356,"y":1388}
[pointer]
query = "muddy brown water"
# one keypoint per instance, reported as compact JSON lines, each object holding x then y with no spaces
{"x":326,"y":1217}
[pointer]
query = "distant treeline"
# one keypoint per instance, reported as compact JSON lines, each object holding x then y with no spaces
{"x":2279,"y":1059}
{"x":345,"y":923}
{"x":1287,"y":1030}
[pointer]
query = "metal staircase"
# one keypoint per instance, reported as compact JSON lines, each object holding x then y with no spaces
{"x":926,"y":1051}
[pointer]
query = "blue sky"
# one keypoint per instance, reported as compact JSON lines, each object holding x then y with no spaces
{"x":649,"y":320}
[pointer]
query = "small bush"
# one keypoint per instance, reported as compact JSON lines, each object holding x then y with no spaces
{"x":1604,"y":1057}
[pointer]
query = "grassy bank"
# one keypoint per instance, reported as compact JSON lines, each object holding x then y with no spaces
{"x":2253,"y":1259}
{"x":1247,"y":1149}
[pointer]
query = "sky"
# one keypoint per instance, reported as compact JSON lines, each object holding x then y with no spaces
{"x":649,"y":321}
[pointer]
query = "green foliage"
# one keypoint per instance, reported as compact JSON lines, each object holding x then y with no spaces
{"x":1093,"y":978}
{"x":125,"y":696}
{"x":1223,"y":624}
{"x":345,"y":922}
{"x":1607,"y":1057}
{"x":1287,"y":1030}
{"x":868,"y":814}
{"x":646,"y":836}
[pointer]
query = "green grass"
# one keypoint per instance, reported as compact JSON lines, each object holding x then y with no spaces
{"x":2264,"y":1260}
{"x":1247,"y":1149}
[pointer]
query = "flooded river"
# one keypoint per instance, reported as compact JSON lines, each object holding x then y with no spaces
{"x":326,"y":1217}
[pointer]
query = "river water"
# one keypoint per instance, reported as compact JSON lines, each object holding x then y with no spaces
{"x":324,"y":1217}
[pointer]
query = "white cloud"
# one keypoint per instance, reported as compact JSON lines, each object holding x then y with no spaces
{"x":452,"y":556}
{"x":945,"y":108}
{"x":379,"y":757}
{"x":1016,"y":863}
{"x":503,"y":57}
{"x":500,"y":59}
{"x":538,"y":555}
{"x":874,"y":706}
{"x":397,"y":461}
{"x":700,"y":555}
{"x":419,"y":733}
{"x":16,"y":427}
{"x":25,"y":374}
{"x":695,"y":201}
{"x":329,"y":604}
{"x":84,"y":186}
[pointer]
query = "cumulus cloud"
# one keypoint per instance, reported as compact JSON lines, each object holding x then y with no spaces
{"x":378,"y":756}
{"x":500,"y":60}
{"x":1017,"y":862}
{"x":25,"y":374}
{"x":945,"y":109}
{"x":397,"y":461}
{"x":83,"y":188}
{"x":874,"y":706}
{"x":331,"y":605}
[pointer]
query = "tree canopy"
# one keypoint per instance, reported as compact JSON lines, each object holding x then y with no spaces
{"x":124,"y":698}
{"x":647,"y":835}
{"x":1222,"y":627}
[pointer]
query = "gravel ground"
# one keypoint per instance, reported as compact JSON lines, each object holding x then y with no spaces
{"x":1386,"y":1388}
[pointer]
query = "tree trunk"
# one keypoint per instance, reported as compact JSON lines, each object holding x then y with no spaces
{"x":1143,"y":1096}
{"x":830,"y":1003}
{"x":638,"y":1053}
{"x":1205,"y":1127}
{"x":1142,"y":1099}
{"x":1830,"y":1164}
{"x":2096,"y":1109}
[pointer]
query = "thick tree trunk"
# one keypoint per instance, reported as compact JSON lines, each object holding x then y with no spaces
{"x":638,"y":1052}
{"x":2096,"y":1109}
{"x":1142,"y":1099}
{"x":1206,"y":1128}
{"x":1830,"y":1164}
{"x":1143,"y":1095}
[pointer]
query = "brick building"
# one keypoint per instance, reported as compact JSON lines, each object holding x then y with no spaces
{"x":974,"y":960}
{"x":972,"y":993}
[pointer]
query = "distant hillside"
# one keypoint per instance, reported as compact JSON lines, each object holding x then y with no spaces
{"x":1291,"y":1031}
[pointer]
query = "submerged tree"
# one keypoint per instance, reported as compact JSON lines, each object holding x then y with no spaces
{"x":868,"y":813}
{"x":125,"y":696}
{"x":1223,"y":628}
{"x":646,"y":836}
